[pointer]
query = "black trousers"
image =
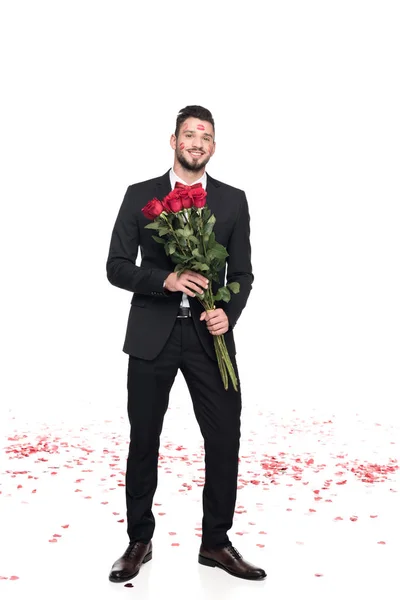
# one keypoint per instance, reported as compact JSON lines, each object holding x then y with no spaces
{"x":218,"y":414}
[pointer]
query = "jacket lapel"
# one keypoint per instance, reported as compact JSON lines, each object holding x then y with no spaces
{"x":213,"y":194}
{"x":163,"y":186}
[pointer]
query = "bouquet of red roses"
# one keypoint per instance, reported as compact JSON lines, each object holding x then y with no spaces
{"x":184,"y":225}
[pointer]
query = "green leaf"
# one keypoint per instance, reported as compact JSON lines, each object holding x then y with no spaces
{"x":183,"y":257}
{"x":199,"y":256}
{"x":175,"y":259}
{"x":211,"y":240}
{"x":234,"y":287}
{"x":210,"y":224}
{"x":206,"y":214}
{"x":157,"y":239}
{"x":170,"y":248}
{"x":188,"y":231}
{"x":163,"y":230}
{"x":217,"y":251}
{"x":224,"y":294}
{"x":194,"y":239}
{"x":154,"y":225}
{"x":200,"y":266}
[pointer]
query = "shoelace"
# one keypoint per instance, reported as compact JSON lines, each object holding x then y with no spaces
{"x":234,"y":552}
{"x":131,"y":550}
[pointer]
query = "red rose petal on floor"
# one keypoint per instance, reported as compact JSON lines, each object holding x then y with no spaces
{"x":56,"y":535}
{"x":300,"y":543}
{"x":115,"y":513}
{"x":373,"y":516}
{"x":353,"y":518}
{"x":262,"y":532}
{"x":121,"y":521}
{"x":175,"y":544}
{"x":128,"y":585}
{"x":172,"y":532}
{"x":52,"y":541}
{"x":103,"y":502}
{"x":261,"y":545}
{"x":65,"y":526}
{"x":198,"y":534}
{"x":318,"y":575}
{"x":312,"y":510}
{"x":162,"y":514}
{"x":381,"y":542}
{"x":2,"y":577}
{"x":14,"y":577}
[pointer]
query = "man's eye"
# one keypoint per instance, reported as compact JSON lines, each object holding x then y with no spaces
{"x":188,"y":135}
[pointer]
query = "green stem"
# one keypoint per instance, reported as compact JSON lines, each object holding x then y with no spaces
{"x":227,"y":361}
{"x":221,"y":364}
{"x":173,"y":232}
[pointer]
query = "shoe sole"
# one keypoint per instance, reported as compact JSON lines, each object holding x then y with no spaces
{"x":146,"y":559}
{"x":209,"y":562}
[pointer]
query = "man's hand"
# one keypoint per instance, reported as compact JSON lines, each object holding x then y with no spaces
{"x":188,"y":282}
{"x":216,"y":320}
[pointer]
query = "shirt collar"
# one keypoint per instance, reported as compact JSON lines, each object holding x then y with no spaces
{"x":174,"y":178}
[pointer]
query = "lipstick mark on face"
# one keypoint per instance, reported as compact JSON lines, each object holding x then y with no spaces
{"x":201,"y":127}
{"x":185,"y":126}
{"x":181,"y":146}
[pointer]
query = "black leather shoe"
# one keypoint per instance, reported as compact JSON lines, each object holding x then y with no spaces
{"x":128,"y":565}
{"x":229,"y":559}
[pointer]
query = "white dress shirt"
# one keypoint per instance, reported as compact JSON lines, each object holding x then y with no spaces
{"x":174,"y":178}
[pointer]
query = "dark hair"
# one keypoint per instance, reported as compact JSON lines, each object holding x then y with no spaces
{"x":198,"y":112}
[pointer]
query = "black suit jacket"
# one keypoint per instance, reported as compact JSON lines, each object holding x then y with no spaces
{"x":153,"y":309}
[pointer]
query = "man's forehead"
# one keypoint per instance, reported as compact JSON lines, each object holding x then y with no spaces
{"x":196,"y":124}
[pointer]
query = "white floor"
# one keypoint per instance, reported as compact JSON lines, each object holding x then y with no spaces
{"x":303,"y":511}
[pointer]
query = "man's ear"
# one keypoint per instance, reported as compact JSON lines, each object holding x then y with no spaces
{"x":172,"y":141}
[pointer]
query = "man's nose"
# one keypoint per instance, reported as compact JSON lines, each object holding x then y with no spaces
{"x":198,"y":142}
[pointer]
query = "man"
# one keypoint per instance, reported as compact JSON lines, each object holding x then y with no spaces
{"x":167,"y":330}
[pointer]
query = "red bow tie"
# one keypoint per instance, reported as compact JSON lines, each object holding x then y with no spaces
{"x":180,"y":185}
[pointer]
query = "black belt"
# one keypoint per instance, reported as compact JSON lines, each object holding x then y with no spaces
{"x":184,"y":312}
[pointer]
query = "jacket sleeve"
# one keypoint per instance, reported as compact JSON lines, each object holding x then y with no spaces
{"x":239,"y":266}
{"x":121,"y":262}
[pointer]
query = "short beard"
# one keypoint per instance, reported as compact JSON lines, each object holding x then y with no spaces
{"x":195,"y":167}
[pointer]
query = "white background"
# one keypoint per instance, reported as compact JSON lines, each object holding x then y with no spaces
{"x":306,"y":100}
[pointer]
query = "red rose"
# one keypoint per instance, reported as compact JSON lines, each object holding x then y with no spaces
{"x":199,"y":197}
{"x":153,"y":209}
{"x":173,"y":202}
{"x":187,"y":201}
{"x":183,"y":194}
